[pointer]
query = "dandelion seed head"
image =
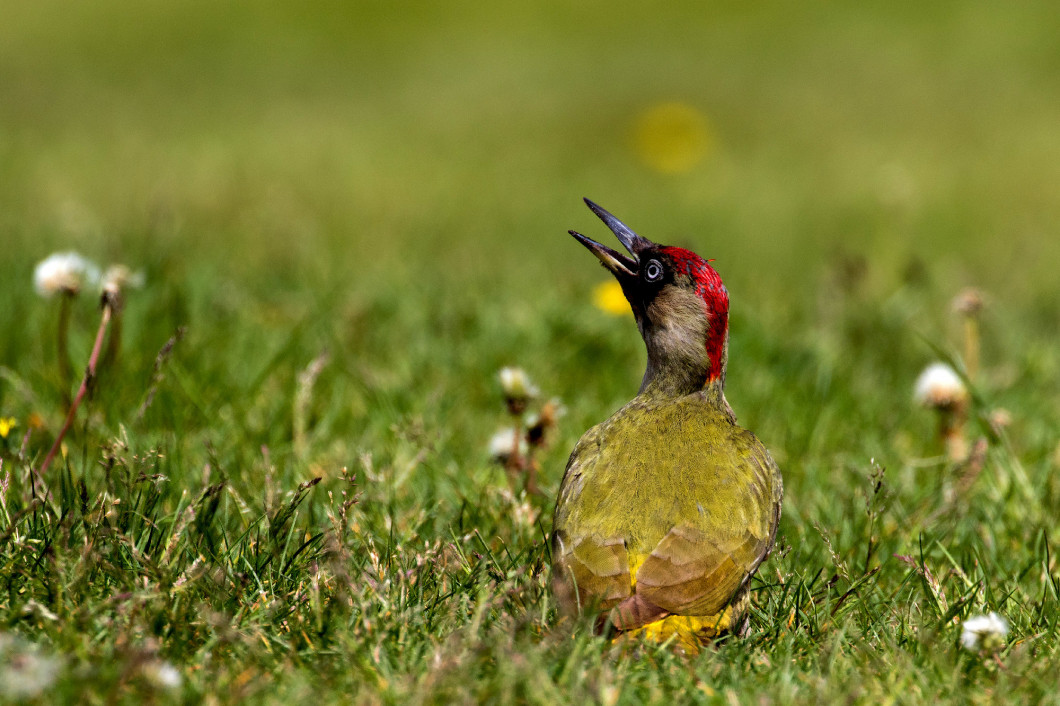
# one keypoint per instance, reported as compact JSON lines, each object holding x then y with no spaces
{"x":985,"y":632}
{"x":968,"y":302}
{"x":119,"y":277}
{"x":502,"y":444}
{"x":163,"y":674}
{"x":25,"y":671}
{"x":939,"y":386}
{"x":516,"y":384}
{"x":66,"y":272}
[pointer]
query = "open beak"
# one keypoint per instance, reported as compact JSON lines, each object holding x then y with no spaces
{"x":620,"y":265}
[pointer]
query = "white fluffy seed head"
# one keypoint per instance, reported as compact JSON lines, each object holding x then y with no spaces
{"x":26,"y":671}
{"x":503,"y":443}
{"x":163,"y":674}
{"x":516,"y":384}
{"x":984,"y":632}
{"x":119,"y":277}
{"x":65,"y":272}
{"x":939,"y":386}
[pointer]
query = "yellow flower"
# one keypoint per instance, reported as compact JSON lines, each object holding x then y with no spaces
{"x":672,"y":137}
{"x":6,"y":425}
{"x":608,"y":297}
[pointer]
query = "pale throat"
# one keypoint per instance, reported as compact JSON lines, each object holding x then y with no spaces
{"x":685,"y":357}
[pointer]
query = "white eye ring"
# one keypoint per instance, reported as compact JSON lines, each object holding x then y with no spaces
{"x":653,"y":271}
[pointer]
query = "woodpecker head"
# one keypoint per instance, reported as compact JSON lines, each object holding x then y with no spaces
{"x":681,"y":306}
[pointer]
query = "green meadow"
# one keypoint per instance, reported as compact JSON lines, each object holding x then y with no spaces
{"x":350,"y":216}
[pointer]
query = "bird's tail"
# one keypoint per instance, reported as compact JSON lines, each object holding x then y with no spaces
{"x":692,"y":632}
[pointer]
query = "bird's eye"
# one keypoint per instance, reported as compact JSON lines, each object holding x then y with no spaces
{"x":653,"y":271}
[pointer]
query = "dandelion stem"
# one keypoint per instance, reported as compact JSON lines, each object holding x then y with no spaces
{"x":951,"y":431}
{"x":90,"y":374}
{"x":66,"y":372}
{"x":515,"y":459}
{"x":110,"y":358}
{"x":971,"y":346}
{"x":531,"y":475}
{"x":969,"y":304}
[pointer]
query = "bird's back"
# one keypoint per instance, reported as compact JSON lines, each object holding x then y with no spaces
{"x":664,"y":513}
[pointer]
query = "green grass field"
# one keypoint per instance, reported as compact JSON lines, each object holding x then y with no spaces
{"x":382,"y":198}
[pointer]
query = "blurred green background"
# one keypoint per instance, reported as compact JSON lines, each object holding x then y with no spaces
{"x":395,"y":185}
{"x":351,"y":141}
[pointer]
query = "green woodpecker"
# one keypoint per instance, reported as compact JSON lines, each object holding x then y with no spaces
{"x":666,"y":509}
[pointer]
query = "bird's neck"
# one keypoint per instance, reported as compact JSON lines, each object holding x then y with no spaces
{"x":673,"y":373}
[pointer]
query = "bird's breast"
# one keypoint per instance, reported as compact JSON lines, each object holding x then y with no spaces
{"x":653,"y":466}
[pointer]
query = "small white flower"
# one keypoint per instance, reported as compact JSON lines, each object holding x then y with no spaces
{"x":119,"y":277}
{"x":39,"y":609}
{"x":25,"y":670}
{"x":986,"y":631}
{"x":939,"y":386}
{"x":516,"y":384}
{"x":163,"y":674}
{"x":502,"y":443}
{"x":63,"y":272}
